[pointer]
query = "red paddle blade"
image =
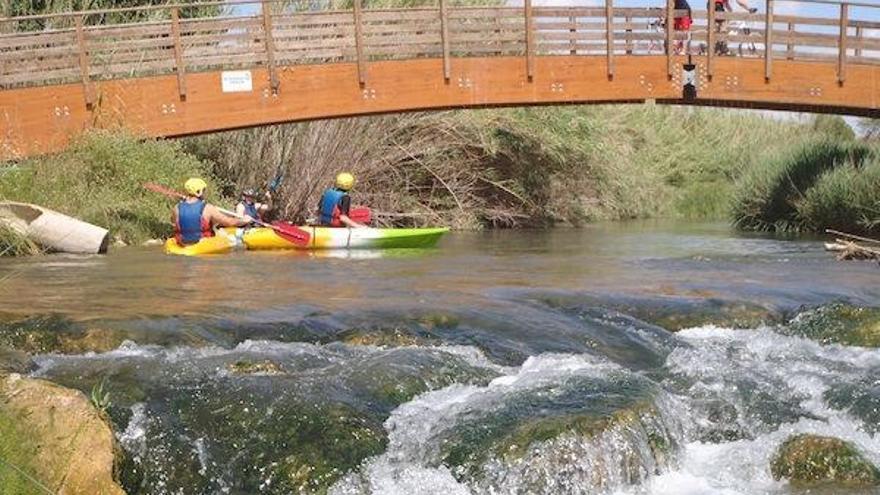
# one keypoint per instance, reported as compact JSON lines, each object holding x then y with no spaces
{"x":360,"y":214}
{"x":163,"y":190}
{"x":292,"y":233}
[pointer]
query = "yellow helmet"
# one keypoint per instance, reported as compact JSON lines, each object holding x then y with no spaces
{"x":344,"y":181}
{"x":195,"y":186}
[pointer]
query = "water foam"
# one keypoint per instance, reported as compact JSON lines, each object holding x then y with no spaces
{"x":787,"y":369}
{"x":412,"y":462}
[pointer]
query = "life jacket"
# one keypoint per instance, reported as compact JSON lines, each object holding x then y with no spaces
{"x":191,"y":226}
{"x":330,"y":206}
{"x":250,"y":209}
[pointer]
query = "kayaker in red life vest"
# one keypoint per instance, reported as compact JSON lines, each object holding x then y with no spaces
{"x":194,"y":218}
{"x":335,"y":205}
{"x":250,"y":207}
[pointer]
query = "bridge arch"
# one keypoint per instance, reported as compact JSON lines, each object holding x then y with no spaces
{"x":172,"y":76}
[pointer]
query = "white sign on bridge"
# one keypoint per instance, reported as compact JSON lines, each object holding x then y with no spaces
{"x":236,"y":81}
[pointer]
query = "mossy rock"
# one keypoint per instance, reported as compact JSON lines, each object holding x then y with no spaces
{"x":384,"y":337}
{"x":13,"y":361}
{"x":56,"y":334}
{"x":244,"y":367}
{"x":811,"y":459}
{"x":838,"y":323}
{"x":55,"y":438}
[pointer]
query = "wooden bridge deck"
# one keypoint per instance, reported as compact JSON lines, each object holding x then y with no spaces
{"x":162,"y":73}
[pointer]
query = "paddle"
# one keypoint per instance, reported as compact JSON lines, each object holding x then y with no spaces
{"x":290,"y":233}
{"x":360,"y":214}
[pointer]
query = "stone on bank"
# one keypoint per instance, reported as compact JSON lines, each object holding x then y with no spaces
{"x":53,"y":440}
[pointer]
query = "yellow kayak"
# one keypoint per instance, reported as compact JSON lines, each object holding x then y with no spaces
{"x":341,"y":238}
{"x":219,"y":244}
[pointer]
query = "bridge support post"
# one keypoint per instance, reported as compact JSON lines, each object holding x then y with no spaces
{"x":858,"y":52}
{"x":629,"y":42}
{"x":609,"y":38}
{"x":266,"y":9}
{"x":359,"y":43}
{"x":444,"y":39}
{"x":530,"y":41}
{"x":572,"y":32}
{"x":841,"y":43}
{"x":670,"y":14}
{"x":711,"y":28}
{"x":84,"y":61}
{"x":789,"y":48}
{"x":179,"y":68}
{"x":768,"y":41}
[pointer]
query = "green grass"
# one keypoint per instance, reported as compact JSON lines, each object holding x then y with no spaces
{"x":817,"y":185}
{"x":100,"y":178}
{"x":12,"y":243}
{"x":18,"y":474}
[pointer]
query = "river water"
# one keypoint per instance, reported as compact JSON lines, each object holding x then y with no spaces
{"x":499,"y":362}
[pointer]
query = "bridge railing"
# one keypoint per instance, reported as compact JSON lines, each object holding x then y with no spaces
{"x":90,"y":46}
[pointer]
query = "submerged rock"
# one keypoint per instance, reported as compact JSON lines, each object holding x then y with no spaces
{"x":838,"y":323}
{"x":676,"y":313}
{"x":265,"y":417}
{"x":811,"y":459}
{"x":13,"y":361}
{"x":245,"y":367}
{"x":55,"y":439}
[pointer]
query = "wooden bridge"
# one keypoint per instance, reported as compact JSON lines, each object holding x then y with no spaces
{"x":165,"y":71}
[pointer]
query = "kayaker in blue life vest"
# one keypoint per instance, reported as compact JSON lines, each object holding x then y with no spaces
{"x":250,"y":207}
{"x":194,"y":218}
{"x":335,"y":205}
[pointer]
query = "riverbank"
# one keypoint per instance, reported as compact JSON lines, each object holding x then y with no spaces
{"x":523,"y":167}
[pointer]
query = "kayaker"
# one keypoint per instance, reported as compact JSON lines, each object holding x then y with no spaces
{"x":250,"y":207}
{"x":335,"y":205}
{"x":194,"y":218}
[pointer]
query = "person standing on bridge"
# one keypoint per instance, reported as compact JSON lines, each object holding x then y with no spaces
{"x":194,"y":218}
{"x":335,"y":205}
{"x":250,"y":207}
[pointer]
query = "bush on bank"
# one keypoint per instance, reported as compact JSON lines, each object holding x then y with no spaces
{"x":820,"y":184}
{"x":100,"y":178}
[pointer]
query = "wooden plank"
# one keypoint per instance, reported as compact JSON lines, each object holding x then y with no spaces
{"x":444,"y":40}
{"x":266,"y":10}
{"x":530,"y":40}
{"x":768,"y":40}
{"x":858,"y":52}
{"x":841,"y":49}
{"x":609,"y":38}
{"x":84,"y":62}
{"x":179,"y":66}
{"x":572,"y":31}
{"x":789,"y":47}
{"x":669,"y":26}
{"x":359,"y":43}
{"x":629,"y":30}
{"x":712,"y":29}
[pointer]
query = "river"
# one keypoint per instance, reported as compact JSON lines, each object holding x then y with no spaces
{"x":635,"y":357}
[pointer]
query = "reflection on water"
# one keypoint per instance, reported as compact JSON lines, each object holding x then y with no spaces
{"x":638,"y":257}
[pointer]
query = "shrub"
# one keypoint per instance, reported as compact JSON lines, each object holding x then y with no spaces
{"x":100,"y":178}
{"x":768,"y":196}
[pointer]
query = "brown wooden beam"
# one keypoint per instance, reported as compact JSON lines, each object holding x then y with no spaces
{"x":572,"y":31}
{"x":530,"y":40}
{"x":83,"y":61}
{"x":841,"y":44}
{"x":359,"y":43}
{"x":629,"y":43}
{"x":609,"y":38}
{"x":789,"y":48}
{"x":179,"y":66}
{"x":444,"y":39}
{"x":669,"y":27}
{"x":858,"y":41}
{"x":711,"y":27}
{"x":768,"y":41}
{"x":266,"y":8}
